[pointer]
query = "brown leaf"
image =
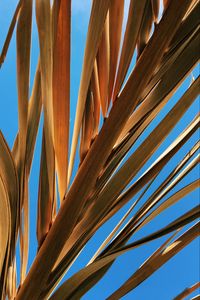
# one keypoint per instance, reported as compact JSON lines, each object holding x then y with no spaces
{"x":79,"y":283}
{"x":155,"y":9}
{"x":156,"y":166}
{"x":95,"y":29}
{"x":130,"y":168}
{"x":61,"y":89}
{"x":154,"y":264}
{"x":130,"y":39}
{"x":44,"y":24}
{"x":34,"y":112}
{"x":24,"y":232}
{"x":145,"y":29}
{"x":162,"y":86}
{"x":79,"y":239}
{"x":5,"y":233}
{"x":10,"y":32}
{"x":45,"y":204}
{"x":9,"y":177}
{"x":96,"y":98}
{"x":87,"y":126}
{"x":23,"y":69}
{"x":187,"y":291}
{"x":24,"y":26}
{"x":116,"y":14}
{"x":91,"y":167}
{"x":103,"y":63}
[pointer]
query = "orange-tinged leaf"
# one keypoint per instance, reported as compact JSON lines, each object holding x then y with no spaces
{"x":10,"y":32}
{"x":34,"y":112}
{"x":158,"y":195}
{"x":8,"y":211}
{"x":61,"y":89}
{"x":23,"y":69}
{"x":24,"y":26}
{"x":96,"y":98}
{"x":170,"y":201}
{"x":87,"y":126}
{"x":11,"y":281}
{"x":155,"y":263}
{"x":102,"y":202}
{"x":112,"y":234}
{"x":25,"y":232}
{"x":156,"y":166}
{"x":130,"y":39}
{"x":193,"y":4}
{"x":189,"y":24}
{"x":45,"y":204}
{"x":145,"y":28}
{"x":91,"y":167}
{"x":150,"y":107}
{"x":130,"y":168}
{"x":81,"y":282}
{"x":164,"y":88}
{"x":133,"y":225}
{"x":166,"y":3}
{"x":9,"y":176}
{"x":187,"y":291}
{"x":112,"y":118}
{"x":44,"y":24}
{"x":103,"y":63}
{"x":78,"y":232}
{"x":116,"y":13}
{"x":155,"y":8}
{"x":95,"y":29}
{"x":5,"y":228}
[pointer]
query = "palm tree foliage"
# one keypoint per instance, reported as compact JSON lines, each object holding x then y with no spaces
{"x":112,"y":114}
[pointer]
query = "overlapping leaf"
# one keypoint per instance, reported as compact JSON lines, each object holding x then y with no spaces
{"x":165,"y":45}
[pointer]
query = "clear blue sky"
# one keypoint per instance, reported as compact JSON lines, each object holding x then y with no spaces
{"x":182,"y":270}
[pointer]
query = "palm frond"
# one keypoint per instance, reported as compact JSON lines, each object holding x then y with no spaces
{"x":133,"y":95}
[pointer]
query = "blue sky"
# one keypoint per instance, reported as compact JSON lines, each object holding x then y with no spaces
{"x":182,"y":270}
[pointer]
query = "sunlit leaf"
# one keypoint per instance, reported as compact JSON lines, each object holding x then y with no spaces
{"x":135,"y":129}
{"x":61,"y":88}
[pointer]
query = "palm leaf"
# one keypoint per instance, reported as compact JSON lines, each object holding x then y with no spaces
{"x":187,"y":291}
{"x":61,"y":89}
{"x":133,"y":95}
